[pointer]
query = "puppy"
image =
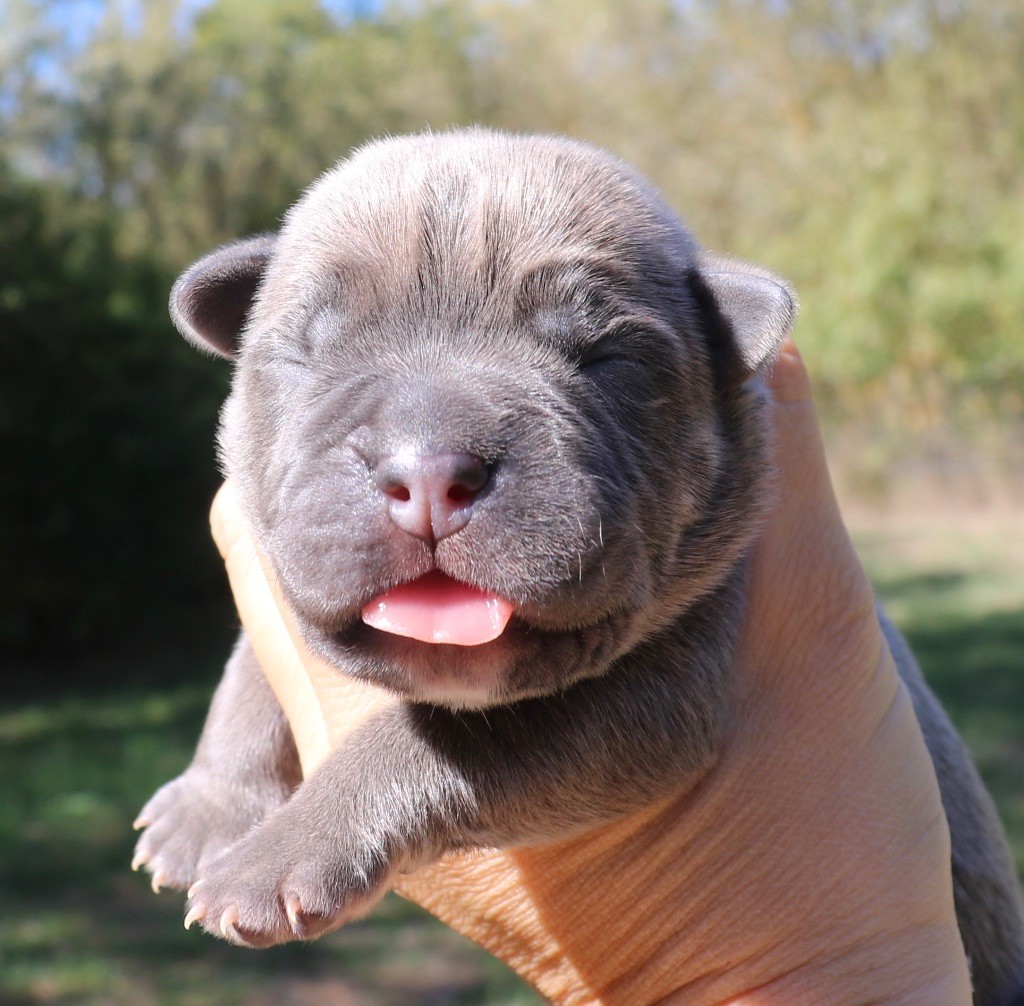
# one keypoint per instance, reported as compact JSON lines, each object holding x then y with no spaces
{"x":496,"y":425}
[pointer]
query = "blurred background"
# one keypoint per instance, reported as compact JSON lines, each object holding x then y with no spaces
{"x":872,"y":152}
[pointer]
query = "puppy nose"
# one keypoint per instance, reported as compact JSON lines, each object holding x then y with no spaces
{"x":431,"y":496}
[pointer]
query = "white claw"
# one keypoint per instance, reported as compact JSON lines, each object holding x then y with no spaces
{"x":292,"y":907}
{"x":141,"y":822}
{"x":138,"y":860}
{"x":157,"y":882}
{"x":190,"y":893}
{"x":227,"y":921}
{"x":195,"y":914}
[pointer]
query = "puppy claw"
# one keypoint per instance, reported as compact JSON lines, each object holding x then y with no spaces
{"x":158,"y":881}
{"x":141,"y":822}
{"x":139,"y":860}
{"x":191,"y":892}
{"x":227,"y":923}
{"x":293,"y":909}
{"x":194,"y":914}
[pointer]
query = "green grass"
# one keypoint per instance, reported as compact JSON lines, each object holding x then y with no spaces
{"x":957,"y":592}
{"x":76,"y":926}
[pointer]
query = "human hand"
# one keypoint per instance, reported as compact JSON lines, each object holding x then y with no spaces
{"x":811,"y":865}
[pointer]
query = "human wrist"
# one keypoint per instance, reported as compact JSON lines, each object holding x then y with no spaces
{"x":801,"y":870}
{"x":575,"y":918}
{"x":618,"y":917}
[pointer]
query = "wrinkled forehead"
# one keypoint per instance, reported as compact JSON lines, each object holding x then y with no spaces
{"x":475,"y":221}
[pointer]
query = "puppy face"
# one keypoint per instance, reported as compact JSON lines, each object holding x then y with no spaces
{"x":494,"y":361}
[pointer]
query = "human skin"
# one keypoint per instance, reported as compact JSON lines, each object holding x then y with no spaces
{"x":810,"y":865}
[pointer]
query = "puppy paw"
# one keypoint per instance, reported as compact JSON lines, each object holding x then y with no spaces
{"x":192,"y":819}
{"x":282,"y":883}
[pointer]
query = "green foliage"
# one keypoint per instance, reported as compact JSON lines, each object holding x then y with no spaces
{"x":106,"y":426}
{"x":872,"y":152}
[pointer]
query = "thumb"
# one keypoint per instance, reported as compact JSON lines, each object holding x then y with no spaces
{"x":804,"y":484}
{"x":267,"y":626}
{"x":807,"y":582}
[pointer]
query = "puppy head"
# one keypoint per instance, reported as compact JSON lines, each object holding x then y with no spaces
{"x":500,"y":364}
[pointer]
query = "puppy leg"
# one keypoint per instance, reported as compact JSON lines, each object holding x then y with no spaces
{"x":245,"y":765}
{"x":415,"y":781}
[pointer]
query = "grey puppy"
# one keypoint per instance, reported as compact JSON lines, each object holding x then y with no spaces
{"x":497,"y":367}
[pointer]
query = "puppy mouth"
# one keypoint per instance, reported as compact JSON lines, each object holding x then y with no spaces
{"x":435,"y":608}
{"x":442,"y":640}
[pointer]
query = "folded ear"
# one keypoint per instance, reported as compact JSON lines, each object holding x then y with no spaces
{"x":747,"y":313}
{"x":212,"y":297}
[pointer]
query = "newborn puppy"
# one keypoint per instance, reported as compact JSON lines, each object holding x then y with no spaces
{"x":496,"y":425}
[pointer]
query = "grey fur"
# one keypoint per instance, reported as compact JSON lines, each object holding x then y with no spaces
{"x":532,"y":302}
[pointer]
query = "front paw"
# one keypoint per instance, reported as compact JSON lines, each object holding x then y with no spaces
{"x":285,"y":882}
{"x":191,"y":820}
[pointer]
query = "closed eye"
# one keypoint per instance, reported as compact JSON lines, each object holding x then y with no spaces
{"x":600,"y":358}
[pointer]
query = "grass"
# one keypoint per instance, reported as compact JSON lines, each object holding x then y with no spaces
{"x":76,"y":926}
{"x":957,"y":592}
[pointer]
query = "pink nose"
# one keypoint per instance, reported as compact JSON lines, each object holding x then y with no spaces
{"x":431,"y":496}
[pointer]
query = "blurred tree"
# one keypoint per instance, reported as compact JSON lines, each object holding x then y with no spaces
{"x":106,"y":423}
{"x":873,"y":152}
{"x":193,"y":132}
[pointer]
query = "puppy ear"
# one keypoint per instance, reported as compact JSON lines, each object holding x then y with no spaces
{"x":747,"y":313}
{"x":212,"y":297}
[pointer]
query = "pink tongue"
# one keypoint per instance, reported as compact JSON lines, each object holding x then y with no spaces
{"x":437,"y":609}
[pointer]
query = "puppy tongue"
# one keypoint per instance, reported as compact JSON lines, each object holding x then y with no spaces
{"x":437,"y":609}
